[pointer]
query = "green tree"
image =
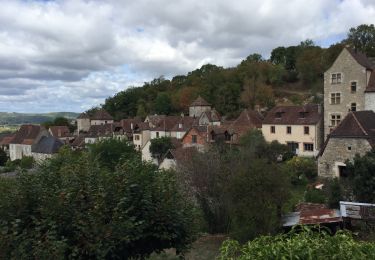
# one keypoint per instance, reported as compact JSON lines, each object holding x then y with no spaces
{"x":163,"y":104}
{"x":74,"y":208}
{"x":361,"y":173}
{"x":159,"y":146}
{"x":108,"y":152}
{"x":362,"y":38}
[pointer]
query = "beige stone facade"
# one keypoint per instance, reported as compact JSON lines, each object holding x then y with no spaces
{"x":345,"y":84}
{"x":337,"y":151}
{"x":307,"y":142}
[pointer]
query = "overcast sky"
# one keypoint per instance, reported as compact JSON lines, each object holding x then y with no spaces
{"x":71,"y":55}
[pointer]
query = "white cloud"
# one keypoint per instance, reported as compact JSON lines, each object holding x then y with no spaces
{"x":70,"y":55}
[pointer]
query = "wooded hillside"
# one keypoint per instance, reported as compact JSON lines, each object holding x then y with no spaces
{"x":294,"y":72}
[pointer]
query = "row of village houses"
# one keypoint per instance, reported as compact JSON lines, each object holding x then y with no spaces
{"x":345,"y":127}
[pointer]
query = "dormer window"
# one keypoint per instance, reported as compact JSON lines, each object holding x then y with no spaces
{"x":335,"y":78}
{"x":279,"y":114}
{"x":302,"y":114}
{"x":179,"y":125}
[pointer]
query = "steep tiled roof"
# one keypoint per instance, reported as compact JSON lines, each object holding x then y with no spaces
{"x":47,"y":145}
{"x":213,"y":115}
{"x":60,"y":131}
{"x":83,"y":116}
{"x":359,"y":124}
{"x":199,"y":102}
{"x":293,"y":115}
{"x":361,"y":58}
{"x":184,"y":124}
{"x":79,"y":141}
{"x":356,"y":124}
{"x":27,"y":134}
{"x":101,"y":130}
{"x":101,"y":115}
{"x":371,"y":83}
{"x":128,"y":124}
{"x":141,"y":126}
{"x":167,"y":123}
{"x":182,"y":155}
{"x":6,"y":139}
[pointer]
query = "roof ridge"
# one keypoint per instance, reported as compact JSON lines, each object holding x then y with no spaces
{"x":359,"y":124}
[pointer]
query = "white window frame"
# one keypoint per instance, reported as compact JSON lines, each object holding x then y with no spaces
{"x":334,"y":78}
{"x":336,"y":120}
{"x":335,"y":93}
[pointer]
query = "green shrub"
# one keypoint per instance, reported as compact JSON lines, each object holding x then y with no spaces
{"x":302,"y":245}
{"x":75,"y":208}
{"x":26,"y":162}
{"x":315,"y":196}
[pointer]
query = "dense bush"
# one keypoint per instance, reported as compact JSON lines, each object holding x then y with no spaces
{"x":302,"y":245}
{"x":73,"y":207}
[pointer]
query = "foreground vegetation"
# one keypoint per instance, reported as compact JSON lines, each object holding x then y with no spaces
{"x":307,"y":244}
{"x":75,"y":206}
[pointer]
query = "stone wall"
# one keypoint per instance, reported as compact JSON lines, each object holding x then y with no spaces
{"x":370,"y":101}
{"x":337,"y":151}
{"x":350,"y":71}
{"x":196,"y":111}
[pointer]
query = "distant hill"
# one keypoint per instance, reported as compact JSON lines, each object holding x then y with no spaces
{"x":31,"y":118}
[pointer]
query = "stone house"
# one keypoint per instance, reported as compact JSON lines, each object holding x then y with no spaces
{"x":182,"y":126}
{"x":198,"y":107}
{"x":354,"y":135}
{"x":61,"y":132}
{"x":24,"y":139}
{"x":100,"y":117}
{"x":164,"y":126}
{"x":141,"y":135}
{"x":231,"y":132}
{"x":177,"y":157}
{"x":196,"y":136}
{"x":299,"y":127}
{"x":349,"y":85}
{"x":5,"y":140}
{"x":211,"y":117}
{"x":46,"y":148}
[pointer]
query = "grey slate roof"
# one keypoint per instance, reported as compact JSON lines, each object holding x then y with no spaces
{"x":47,"y":145}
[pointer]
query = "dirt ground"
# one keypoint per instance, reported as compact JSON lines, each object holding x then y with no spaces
{"x":205,"y":248}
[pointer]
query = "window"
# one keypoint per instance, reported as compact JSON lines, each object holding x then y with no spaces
{"x":335,"y":98}
{"x":293,"y":147}
{"x":136,"y":137}
{"x":353,"y":87}
{"x":336,"y":78}
{"x":194,"y":139}
{"x":308,"y":147}
{"x":157,"y":134}
{"x":288,"y":129}
{"x":273,"y":129}
{"x":349,"y":148}
{"x":306,"y":130}
{"x":335,"y":119}
{"x":353,"y":106}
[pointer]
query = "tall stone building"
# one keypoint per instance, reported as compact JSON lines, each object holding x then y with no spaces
{"x":198,"y":107}
{"x":349,"y":85}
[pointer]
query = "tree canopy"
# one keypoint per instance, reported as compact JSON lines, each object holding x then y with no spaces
{"x":74,"y":207}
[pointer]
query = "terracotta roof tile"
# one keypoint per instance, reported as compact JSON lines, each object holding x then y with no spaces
{"x":199,"y":102}
{"x":361,"y":58}
{"x":101,"y":115}
{"x":27,"y":134}
{"x":60,"y":131}
{"x":293,"y":115}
